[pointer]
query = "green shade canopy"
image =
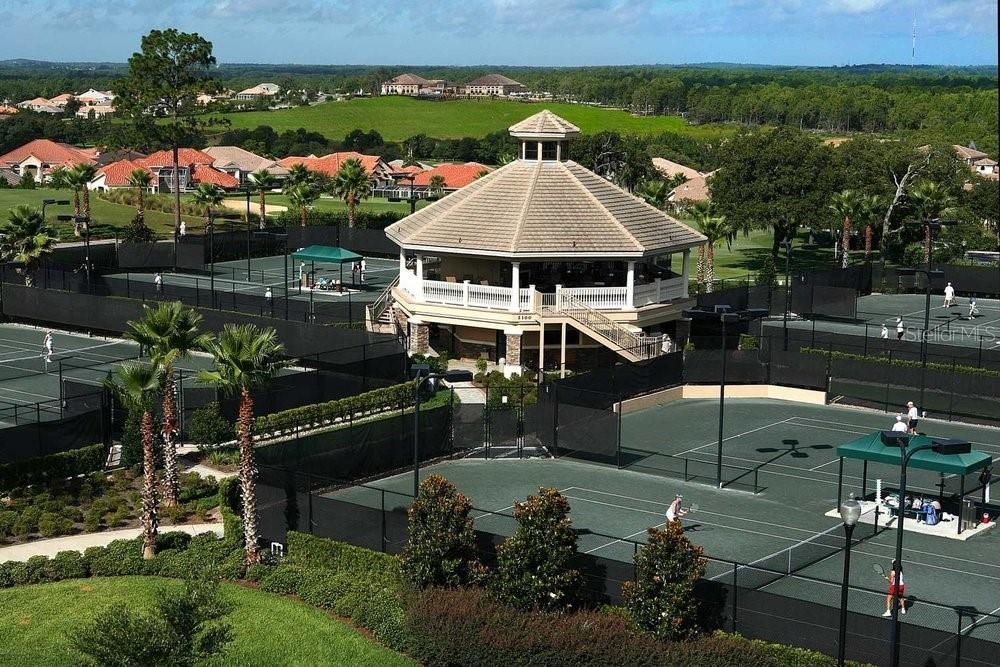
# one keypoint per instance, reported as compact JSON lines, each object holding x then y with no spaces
{"x":329,"y":254}
{"x":870,"y":448}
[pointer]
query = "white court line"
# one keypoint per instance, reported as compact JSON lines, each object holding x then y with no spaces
{"x":510,"y":507}
{"x":707,"y":523}
{"x":816,"y":468}
{"x":4,"y":390}
{"x":622,"y":539}
{"x":940,"y":421}
{"x":935,"y":567}
{"x":700,"y":511}
{"x":975,"y":623}
{"x":738,"y":435}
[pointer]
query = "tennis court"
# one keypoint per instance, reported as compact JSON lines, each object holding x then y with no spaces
{"x":950,"y":326}
{"x":28,"y":379}
{"x":782,"y":530}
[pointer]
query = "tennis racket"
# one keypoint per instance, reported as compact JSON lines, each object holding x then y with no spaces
{"x":878,"y":569}
{"x":692,"y":508}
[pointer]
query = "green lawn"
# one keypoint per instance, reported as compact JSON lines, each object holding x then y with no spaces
{"x":268,"y":629}
{"x":397,"y":118}
{"x":375,"y":204}
{"x":104,"y":214}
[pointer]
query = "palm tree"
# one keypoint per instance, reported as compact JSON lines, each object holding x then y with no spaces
{"x":137,"y":384}
{"x":654,"y":193}
{"x":436,"y":186}
{"x":169,"y":332}
{"x":931,"y":200}
{"x":299,"y":174}
{"x":847,"y":204}
{"x":245,"y":357}
{"x":26,"y":239}
{"x":77,"y":177}
{"x":59,"y":179}
{"x":302,"y":196}
{"x":715,"y":228}
{"x":352,"y":184}
{"x":209,"y":196}
{"x":700,"y":212}
{"x":872,"y":207}
{"x":140,"y":180}
{"x":263,"y":182}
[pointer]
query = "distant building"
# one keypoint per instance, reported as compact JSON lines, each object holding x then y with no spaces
{"x":691,"y":191}
{"x":194,"y":167}
{"x":39,"y":157}
{"x":40,"y":105}
{"x":96,"y":98}
{"x":261,"y":90}
{"x":671,"y":169}
{"x":7,"y":110}
{"x":108,"y":157}
{"x":456,"y":176}
{"x":240,"y":163}
{"x":493,"y":85}
{"x":374,"y":166}
{"x":978,"y":161}
{"x":95,"y":111}
{"x":115,"y":175}
{"x":62,"y":100}
{"x":415,"y":86}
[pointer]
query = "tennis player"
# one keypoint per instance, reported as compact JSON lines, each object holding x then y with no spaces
{"x":47,"y":343}
{"x":900,"y":426}
{"x":885,"y":332}
{"x":900,"y":329}
{"x":949,"y":296}
{"x":913,"y":416}
{"x":895,"y":590}
{"x":675,"y":511}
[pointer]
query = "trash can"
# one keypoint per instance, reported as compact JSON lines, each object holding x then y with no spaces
{"x":968,"y":516}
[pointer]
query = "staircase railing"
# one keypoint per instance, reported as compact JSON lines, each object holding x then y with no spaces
{"x":375,"y":310}
{"x":642,"y":346}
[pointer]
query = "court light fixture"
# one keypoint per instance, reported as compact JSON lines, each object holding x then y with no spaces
{"x":951,"y":446}
{"x":894,"y":438}
{"x":65,"y":218}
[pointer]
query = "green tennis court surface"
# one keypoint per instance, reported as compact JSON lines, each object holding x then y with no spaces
{"x":792,"y":448}
{"x":26,"y":378}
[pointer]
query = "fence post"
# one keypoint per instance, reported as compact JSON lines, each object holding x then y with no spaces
{"x":618,"y":444}
{"x":382,"y":494}
{"x":736,"y":587}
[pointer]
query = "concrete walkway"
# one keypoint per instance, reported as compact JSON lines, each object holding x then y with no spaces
{"x":22,"y":552}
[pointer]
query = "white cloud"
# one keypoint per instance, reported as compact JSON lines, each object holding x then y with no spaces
{"x":855,"y":6}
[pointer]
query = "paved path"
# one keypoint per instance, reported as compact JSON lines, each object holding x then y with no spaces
{"x":22,"y":552}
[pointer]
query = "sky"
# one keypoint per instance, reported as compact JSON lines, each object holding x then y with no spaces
{"x":514,"y":32}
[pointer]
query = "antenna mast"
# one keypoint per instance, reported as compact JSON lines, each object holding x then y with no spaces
{"x":913,"y":43}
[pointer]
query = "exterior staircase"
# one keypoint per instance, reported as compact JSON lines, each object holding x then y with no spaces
{"x":615,"y":336}
{"x":379,"y":315}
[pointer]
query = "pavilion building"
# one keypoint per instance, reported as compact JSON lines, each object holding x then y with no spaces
{"x":540,"y":264}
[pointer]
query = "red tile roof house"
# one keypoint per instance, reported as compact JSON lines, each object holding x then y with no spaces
{"x":194,"y":167}
{"x":375,"y":166}
{"x":115,"y":175}
{"x":456,"y":176}
{"x":41,"y":156}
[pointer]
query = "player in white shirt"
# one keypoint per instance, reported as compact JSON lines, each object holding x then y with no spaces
{"x":900,"y":425}
{"x":47,"y":345}
{"x":949,"y":296}
{"x":885,"y":332}
{"x":913,"y":416}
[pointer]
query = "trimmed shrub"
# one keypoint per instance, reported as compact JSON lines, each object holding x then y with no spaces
{"x":56,"y":466}
{"x":533,"y":565}
{"x":7,"y":520}
{"x":209,"y":428}
{"x":27,"y":520}
{"x":284,"y":579}
{"x":317,"y":552}
{"x":51,"y":525}
{"x":119,"y":558}
{"x":66,"y":565}
{"x":442,"y":546}
{"x":230,"y":507}
{"x":661,"y":599}
{"x":331,"y":412}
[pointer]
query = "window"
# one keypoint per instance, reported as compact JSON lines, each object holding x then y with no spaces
{"x":530,"y":150}
{"x":549,"y":150}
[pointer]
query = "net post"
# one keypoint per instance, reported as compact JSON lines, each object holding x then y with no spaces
{"x":736,"y":570}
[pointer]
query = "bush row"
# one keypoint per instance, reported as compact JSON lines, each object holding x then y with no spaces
{"x":331,"y":412}
{"x":55,"y":466}
{"x":362,"y":218}
{"x":908,"y":363}
{"x":465,"y":626}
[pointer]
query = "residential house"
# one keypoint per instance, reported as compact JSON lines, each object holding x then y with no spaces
{"x":670,"y":169}
{"x":194,"y":167}
{"x":493,"y":85}
{"x":40,"y":105}
{"x":107,"y":157}
{"x":41,"y":156}
{"x":261,"y":90}
{"x":116,"y":174}
{"x":375,"y":166}
{"x":62,"y":100}
{"x":415,"y":86}
{"x":93,"y":98}
{"x":986,"y":167}
{"x":7,"y":110}
{"x":9,"y":178}
{"x":455,"y":175}
{"x":978,"y":161}
{"x":240,"y":163}
{"x":542,"y":264}
{"x":95,"y":111}
{"x":691,"y":191}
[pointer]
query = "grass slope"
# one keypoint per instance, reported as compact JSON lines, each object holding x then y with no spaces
{"x":268,"y":629}
{"x":397,"y":118}
{"x":103,"y":213}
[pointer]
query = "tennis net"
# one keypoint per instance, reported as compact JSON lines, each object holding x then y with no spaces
{"x":769,"y":569}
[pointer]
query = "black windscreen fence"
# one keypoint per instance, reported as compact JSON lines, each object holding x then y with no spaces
{"x":742,"y":367}
{"x":587,"y":425}
{"x":982,"y":281}
{"x":363,"y":448}
{"x":628,"y":380}
{"x":52,"y":436}
{"x":824,"y":302}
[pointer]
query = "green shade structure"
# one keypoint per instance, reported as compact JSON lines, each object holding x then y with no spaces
{"x":329,"y":254}
{"x":870,"y":448}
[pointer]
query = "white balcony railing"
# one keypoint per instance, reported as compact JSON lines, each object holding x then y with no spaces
{"x":493,"y":297}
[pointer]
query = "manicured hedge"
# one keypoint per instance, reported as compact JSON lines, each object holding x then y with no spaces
{"x":466,"y":627}
{"x":318,"y":552}
{"x":55,"y":466}
{"x":362,"y":218}
{"x":332,"y":412}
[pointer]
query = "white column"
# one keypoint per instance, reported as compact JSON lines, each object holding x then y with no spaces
{"x":465,"y":293}
{"x":541,"y":347}
{"x":630,"y":287}
{"x":402,"y":261}
{"x":562,"y":353}
{"x":420,"y":277}
{"x":515,"y":286}
{"x":686,"y":255}
{"x":558,"y":295}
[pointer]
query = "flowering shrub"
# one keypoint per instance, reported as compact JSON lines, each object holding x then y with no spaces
{"x":661,"y":599}
{"x":442,"y":546}
{"x":533,"y":565}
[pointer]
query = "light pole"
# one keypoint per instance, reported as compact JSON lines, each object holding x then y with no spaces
{"x":421,"y":373}
{"x":787,"y":245}
{"x":850,"y":512}
{"x":725,"y":316}
{"x":945,"y":446}
{"x":248,"y":233}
